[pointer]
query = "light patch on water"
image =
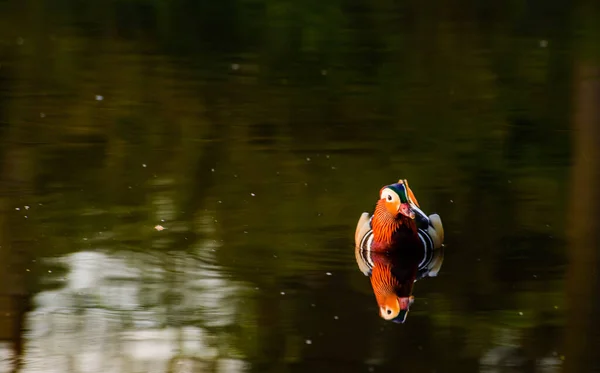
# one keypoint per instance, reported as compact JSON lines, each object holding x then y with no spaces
{"x":6,"y":357}
{"x":231,"y":366}
{"x":113,"y":312}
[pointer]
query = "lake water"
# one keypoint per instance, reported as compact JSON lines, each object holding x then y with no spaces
{"x":181,"y":180}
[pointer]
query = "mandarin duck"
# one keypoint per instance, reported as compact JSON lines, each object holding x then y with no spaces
{"x":399,"y":224}
{"x":397,"y":246}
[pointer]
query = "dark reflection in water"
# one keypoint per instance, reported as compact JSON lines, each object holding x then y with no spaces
{"x":394,"y":268}
{"x":250,"y":130}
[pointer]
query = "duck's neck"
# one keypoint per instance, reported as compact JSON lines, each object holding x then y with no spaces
{"x":384,"y":284}
{"x":386,"y":226}
{"x":387,"y":285}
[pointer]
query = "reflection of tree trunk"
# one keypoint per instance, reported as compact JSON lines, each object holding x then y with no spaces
{"x":214,"y":151}
{"x":15,"y":241}
{"x":6,"y":296}
{"x":271,"y":339}
{"x":583,"y":279}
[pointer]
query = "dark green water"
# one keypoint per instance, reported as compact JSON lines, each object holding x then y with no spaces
{"x":256,"y":132}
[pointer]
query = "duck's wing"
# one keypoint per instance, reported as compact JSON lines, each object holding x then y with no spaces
{"x":436,"y":230}
{"x":362,"y":260}
{"x":432,"y":238}
{"x":436,"y":263}
{"x":421,"y":218}
{"x":362,"y":228}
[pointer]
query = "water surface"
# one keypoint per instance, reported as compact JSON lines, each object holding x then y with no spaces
{"x":256,"y":133}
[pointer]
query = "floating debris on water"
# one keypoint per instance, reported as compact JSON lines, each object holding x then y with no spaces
{"x":308,"y":342}
{"x":99,"y":98}
{"x":159,"y":227}
{"x":328,"y":273}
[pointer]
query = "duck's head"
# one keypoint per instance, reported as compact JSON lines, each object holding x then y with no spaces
{"x":395,"y":309}
{"x":396,"y":199}
{"x":393,"y":291}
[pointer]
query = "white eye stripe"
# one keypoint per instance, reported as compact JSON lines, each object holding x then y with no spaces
{"x":389,"y":195}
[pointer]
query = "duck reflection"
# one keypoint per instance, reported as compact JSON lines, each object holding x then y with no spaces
{"x":392,"y":276}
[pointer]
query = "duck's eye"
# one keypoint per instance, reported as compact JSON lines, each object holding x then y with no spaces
{"x":389,"y":197}
{"x":389,"y":312}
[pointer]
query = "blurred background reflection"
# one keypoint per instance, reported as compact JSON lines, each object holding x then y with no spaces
{"x":180,"y":183}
